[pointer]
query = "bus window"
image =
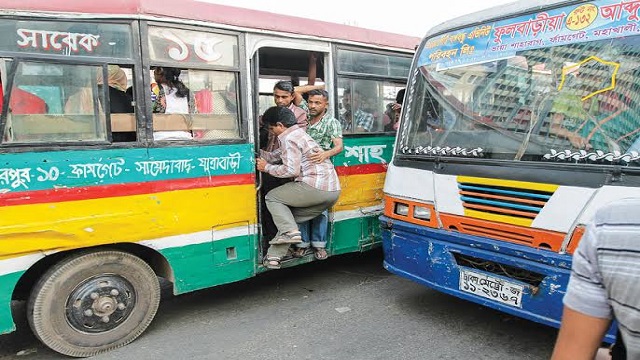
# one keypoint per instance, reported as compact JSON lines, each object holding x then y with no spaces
{"x":194,"y":105}
{"x":194,"y":102}
{"x":362,"y":101}
{"x":51,"y":90}
{"x":363,"y":104}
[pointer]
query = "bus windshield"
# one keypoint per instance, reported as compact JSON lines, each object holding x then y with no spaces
{"x":575,"y":102}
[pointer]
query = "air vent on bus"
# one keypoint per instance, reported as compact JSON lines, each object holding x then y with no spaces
{"x":504,"y":201}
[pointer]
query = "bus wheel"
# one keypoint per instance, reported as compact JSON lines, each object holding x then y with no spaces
{"x":93,"y":303}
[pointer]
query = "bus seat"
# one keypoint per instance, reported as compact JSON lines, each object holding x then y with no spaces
{"x":123,"y":122}
{"x":51,"y":127}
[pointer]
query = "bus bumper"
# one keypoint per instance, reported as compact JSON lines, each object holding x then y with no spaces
{"x":432,"y":257}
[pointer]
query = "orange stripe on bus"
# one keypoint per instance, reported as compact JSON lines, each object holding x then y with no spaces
{"x":499,"y":210}
{"x":537,"y":238}
{"x":508,"y":198}
{"x":576,"y":236}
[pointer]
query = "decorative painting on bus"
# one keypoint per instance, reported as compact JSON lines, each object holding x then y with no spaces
{"x":502,"y":39}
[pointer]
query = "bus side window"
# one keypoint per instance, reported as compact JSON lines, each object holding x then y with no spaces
{"x":363,"y":104}
{"x":121,"y":109}
{"x":206,"y":110}
{"x":38,"y":110}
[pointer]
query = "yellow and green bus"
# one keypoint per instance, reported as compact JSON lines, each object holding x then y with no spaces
{"x":93,"y":209}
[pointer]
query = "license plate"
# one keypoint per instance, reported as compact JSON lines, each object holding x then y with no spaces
{"x":491,"y":288}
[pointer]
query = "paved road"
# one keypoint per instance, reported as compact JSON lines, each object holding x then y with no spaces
{"x":347,"y":307}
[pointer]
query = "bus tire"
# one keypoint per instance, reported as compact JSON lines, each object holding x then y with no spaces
{"x":94,"y":302}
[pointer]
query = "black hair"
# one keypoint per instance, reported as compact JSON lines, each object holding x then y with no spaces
{"x":320,"y":92}
{"x":284,"y":85}
{"x":278,"y":114}
{"x":400,"y":96}
{"x":172,"y":77}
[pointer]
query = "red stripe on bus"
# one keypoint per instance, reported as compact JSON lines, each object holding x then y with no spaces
{"x":116,"y":190}
{"x":361,"y":169}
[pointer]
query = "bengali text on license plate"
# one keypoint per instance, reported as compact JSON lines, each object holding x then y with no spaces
{"x":491,"y":288}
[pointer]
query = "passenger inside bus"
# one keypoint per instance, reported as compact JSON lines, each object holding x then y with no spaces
{"x":173,"y":97}
{"x":82,"y":102}
{"x":23,"y":102}
{"x":354,"y":114}
{"x":392,"y":113}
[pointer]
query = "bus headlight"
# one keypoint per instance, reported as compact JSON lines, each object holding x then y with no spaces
{"x":422,"y":213}
{"x":401,"y":209}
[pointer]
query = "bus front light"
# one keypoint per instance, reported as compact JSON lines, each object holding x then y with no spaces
{"x":401,"y":209}
{"x":422,"y":213}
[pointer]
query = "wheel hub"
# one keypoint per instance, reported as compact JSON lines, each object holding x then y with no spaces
{"x":100,"y":303}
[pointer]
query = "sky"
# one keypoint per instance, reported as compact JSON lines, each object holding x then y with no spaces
{"x":398,"y":16}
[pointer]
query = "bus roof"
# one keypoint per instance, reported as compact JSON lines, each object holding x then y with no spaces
{"x":496,"y":12}
{"x":221,"y":14}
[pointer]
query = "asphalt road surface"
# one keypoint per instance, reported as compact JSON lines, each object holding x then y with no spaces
{"x":346,"y":307}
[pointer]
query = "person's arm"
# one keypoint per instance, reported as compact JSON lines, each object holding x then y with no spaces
{"x":335,"y":131}
{"x":311,"y":80}
{"x":580,"y":336}
{"x":160,"y":104}
{"x":326,"y":154}
{"x":313,"y":60}
{"x":299,"y":90}
{"x":271,"y":156}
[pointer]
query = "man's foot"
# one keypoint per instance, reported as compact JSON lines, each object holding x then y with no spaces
{"x":301,"y":252}
{"x":291,"y":237}
{"x":320,"y":253}
{"x":271,"y":262}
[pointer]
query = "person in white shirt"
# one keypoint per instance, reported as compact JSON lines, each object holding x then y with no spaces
{"x":173,"y":98}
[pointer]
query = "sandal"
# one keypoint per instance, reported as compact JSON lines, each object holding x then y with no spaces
{"x":320,"y":253}
{"x":271,"y":262}
{"x":301,"y":252}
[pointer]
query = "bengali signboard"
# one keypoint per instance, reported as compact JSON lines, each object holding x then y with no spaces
{"x":502,"y":39}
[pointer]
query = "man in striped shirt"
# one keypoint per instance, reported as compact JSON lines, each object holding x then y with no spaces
{"x":315,"y":187}
{"x":604,"y":284}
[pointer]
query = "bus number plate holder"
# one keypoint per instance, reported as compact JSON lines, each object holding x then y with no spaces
{"x":491,"y":288}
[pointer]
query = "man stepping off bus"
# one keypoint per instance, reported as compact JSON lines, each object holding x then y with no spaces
{"x":315,"y":187}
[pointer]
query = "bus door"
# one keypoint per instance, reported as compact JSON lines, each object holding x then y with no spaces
{"x":275,"y":59}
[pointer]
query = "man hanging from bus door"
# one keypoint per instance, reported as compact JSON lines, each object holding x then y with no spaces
{"x":283,"y":96}
{"x":315,"y":187}
{"x":327,"y":132}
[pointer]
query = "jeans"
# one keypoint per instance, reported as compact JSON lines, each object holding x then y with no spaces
{"x":314,"y":231}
